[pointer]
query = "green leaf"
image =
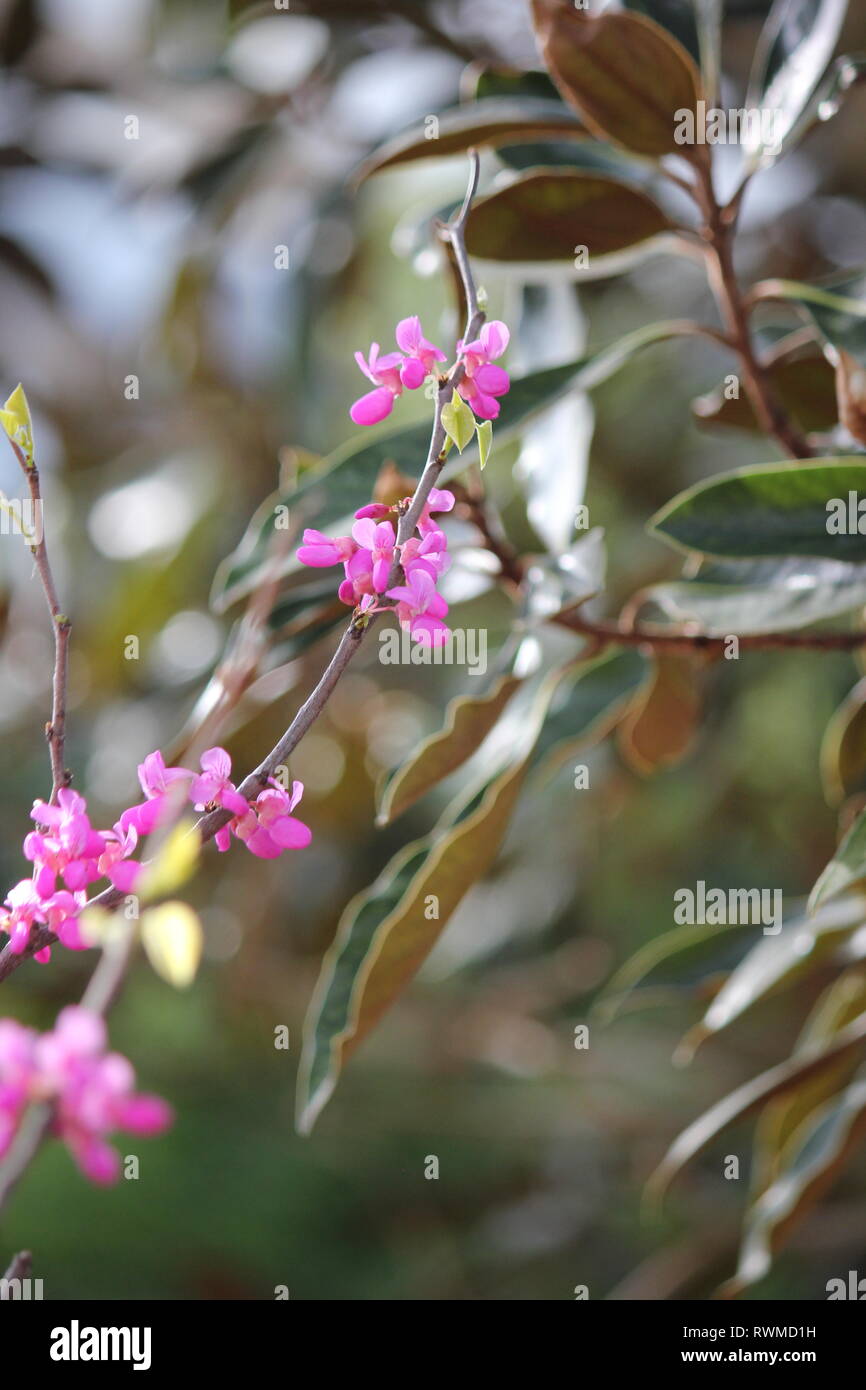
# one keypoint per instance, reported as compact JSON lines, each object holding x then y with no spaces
{"x":837,"y":308}
{"x":749,"y":596}
{"x":172,"y":938}
{"x":468,"y":721}
{"x":776,"y":961}
{"x":484,"y":430}
{"x":492,"y":121}
{"x":751,"y":1096}
{"x":772,"y":509}
{"x":805,"y":388}
{"x":15,"y":419}
{"x":791,"y":57}
{"x":388,"y":930}
{"x":824,"y":1144}
{"x":588,"y":705}
{"x":621,"y":72}
{"x":842,"y":1002}
{"x":548,"y":215}
{"x":687,"y":956}
{"x":327,"y":495}
{"x":843,"y":747}
{"x":678,"y":17}
{"x":458,"y":421}
{"x":846,"y":868}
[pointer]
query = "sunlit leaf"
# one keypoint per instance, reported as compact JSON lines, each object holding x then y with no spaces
{"x":172,"y":864}
{"x":792,"y":55}
{"x":824,"y":1144}
{"x":846,"y":868}
{"x":388,"y":930}
{"x":15,"y":419}
{"x":621,"y":72}
{"x":468,"y":721}
{"x":490,"y":121}
{"x":748,"y":1098}
{"x":843,"y":748}
{"x":484,"y":430}
{"x":458,"y":421}
{"x":771,"y":509}
{"x":743,"y":596}
{"x":778,"y":960}
{"x":172,"y":938}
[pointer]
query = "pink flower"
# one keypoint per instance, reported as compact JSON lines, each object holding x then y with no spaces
{"x":420,"y":609}
{"x":156,"y":780}
{"x":376,"y":510}
{"x":214,"y":788}
{"x":483,"y":382}
{"x":438,"y":500}
{"x":71,"y":848}
{"x":115,"y":863}
{"x":421,"y":355}
{"x":93,"y":1092}
{"x":429,"y":553}
{"x":319,"y":550}
{"x":378,"y":539}
{"x":270,"y":828}
{"x":385,"y":372}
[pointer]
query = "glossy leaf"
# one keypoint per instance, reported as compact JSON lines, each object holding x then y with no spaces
{"x":846,"y":868}
{"x":772,"y":509}
{"x":763,"y":595}
{"x":686,"y":956}
{"x":547,"y":215}
{"x":824,"y":1144}
{"x":777,"y":960}
{"x":490,"y":121}
{"x":748,"y":1098}
{"x":843,"y":748}
{"x":388,"y":930}
{"x":837,"y":308}
{"x":805,"y":387}
{"x":792,"y":55}
{"x":589,"y":704}
{"x":468,"y":721}
{"x":621,"y":72}
{"x":458,"y":422}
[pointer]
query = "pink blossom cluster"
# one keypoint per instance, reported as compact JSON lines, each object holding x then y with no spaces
{"x":481,"y":385}
{"x":68,"y":855}
{"x":369,"y":554}
{"x":92,"y":1091}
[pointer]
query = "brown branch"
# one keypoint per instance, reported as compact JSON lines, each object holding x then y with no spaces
{"x":718,"y":231}
{"x":55,"y":730}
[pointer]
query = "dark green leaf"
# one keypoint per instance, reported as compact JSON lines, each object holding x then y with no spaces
{"x":772,"y":509}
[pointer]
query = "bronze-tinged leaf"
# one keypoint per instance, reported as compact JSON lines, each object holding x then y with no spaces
{"x":468,"y":721}
{"x":624,"y":74}
{"x":843,"y":748}
{"x":751,"y":1096}
{"x":547,"y":215}
{"x":822,"y":1146}
{"x":805,"y":388}
{"x":661,"y":727}
{"x":490,"y":121}
{"x":851,"y":394}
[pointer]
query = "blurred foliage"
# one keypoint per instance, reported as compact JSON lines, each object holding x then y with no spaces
{"x":155,"y":258}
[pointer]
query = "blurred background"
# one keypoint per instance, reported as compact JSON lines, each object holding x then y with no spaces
{"x":154,"y":159}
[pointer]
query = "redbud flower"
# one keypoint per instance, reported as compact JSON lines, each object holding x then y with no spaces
{"x":421,"y":355}
{"x":214,"y":788}
{"x":319,"y":550}
{"x":378,"y":540}
{"x":483,"y":382}
{"x":420,"y":609}
{"x":385,"y":372}
{"x":155,"y":779}
{"x":439,"y":499}
{"x":270,"y":827}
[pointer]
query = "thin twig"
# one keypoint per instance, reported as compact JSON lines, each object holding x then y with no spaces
{"x":55,"y":731}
